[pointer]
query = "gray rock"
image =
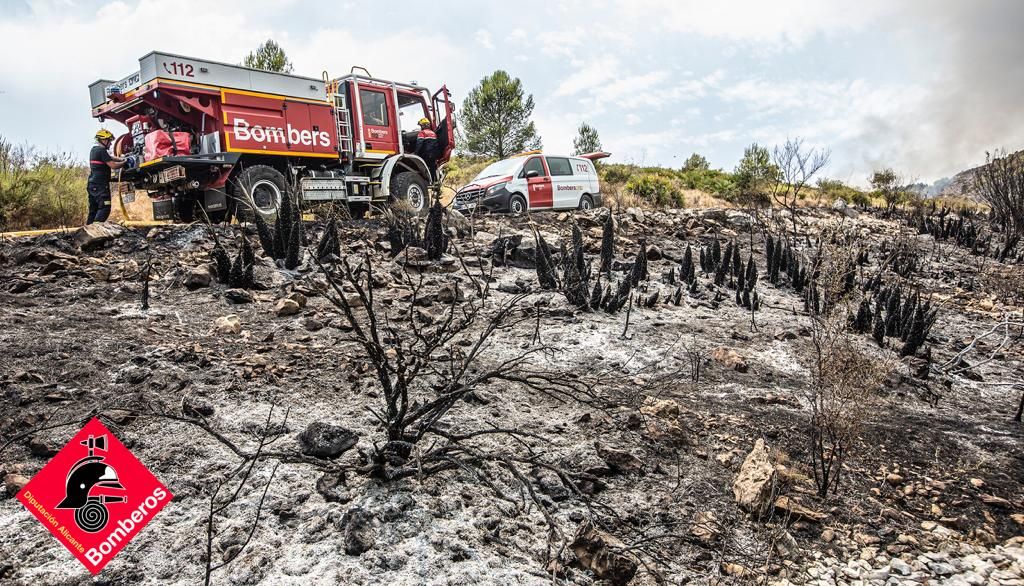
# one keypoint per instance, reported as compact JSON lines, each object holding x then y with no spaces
{"x":198,"y":278}
{"x":238,"y":296}
{"x":95,"y":236}
{"x":900,"y":567}
{"x":326,"y":440}
{"x":359,"y":534}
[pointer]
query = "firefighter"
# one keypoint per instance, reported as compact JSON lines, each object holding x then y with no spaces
{"x":98,"y":186}
{"x":426,"y":145}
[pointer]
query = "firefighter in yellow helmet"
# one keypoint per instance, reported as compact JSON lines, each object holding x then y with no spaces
{"x":426,"y":145}
{"x":98,"y":186}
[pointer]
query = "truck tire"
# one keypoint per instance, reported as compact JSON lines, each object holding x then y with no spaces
{"x":266,"y":185}
{"x":409,"y":186}
{"x":586,"y":202}
{"x":517,"y":205}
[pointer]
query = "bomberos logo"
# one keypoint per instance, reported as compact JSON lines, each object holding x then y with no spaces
{"x":94,"y":496}
{"x":276,"y":135}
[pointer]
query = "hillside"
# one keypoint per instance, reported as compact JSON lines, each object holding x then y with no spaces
{"x":666,"y":442}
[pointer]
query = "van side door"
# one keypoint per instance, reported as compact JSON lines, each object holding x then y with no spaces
{"x":565,"y":184}
{"x":538,"y":187}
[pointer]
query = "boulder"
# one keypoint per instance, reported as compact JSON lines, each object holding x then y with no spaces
{"x":729,"y":358}
{"x":603,"y":555}
{"x":332,"y":487}
{"x":298,"y":298}
{"x":786,"y":506}
{"x":238,"y":296}
{"x":285,"y":307}
{"x":228,"y":324}
{"x":619,"y":461}
{"x":198,"y":277}
{"x":705,"y":527}
{"x":326,"y":440}
{"x":754,"y":484}
{"x":359,"y":534}
{"x":94,"y":236}
{"x":661,"y":420}
{"x":14,"y":483}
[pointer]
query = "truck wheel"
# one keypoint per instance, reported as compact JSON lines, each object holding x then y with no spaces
{"x":409,"y":186}
{"x":586,"y":203}
{"x":517,"y":205}
{"x":258,"y":188}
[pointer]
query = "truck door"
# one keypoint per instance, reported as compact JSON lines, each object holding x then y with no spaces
{"x":445,"y":120}
{"x":538,"y":186}
{"x":380,"y":130}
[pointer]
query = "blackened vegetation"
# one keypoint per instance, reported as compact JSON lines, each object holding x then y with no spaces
{"x":404,"y":231}
{"x":576,"y":273}
{"x":285,"y":240}
{"x":330,"y":242}
{"x":241,"y":274}
{"x":433,"y":233}
{"x":546,"y":273}
{"x":900,"y":315}
{"x":1000,"y":183}
{"x":425,"y":370}
{"x":607,"y":243}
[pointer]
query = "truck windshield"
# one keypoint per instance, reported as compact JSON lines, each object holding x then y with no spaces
{"x":505,"y":167}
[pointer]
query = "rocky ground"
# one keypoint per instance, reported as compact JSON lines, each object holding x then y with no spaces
{"x":647,"y":477}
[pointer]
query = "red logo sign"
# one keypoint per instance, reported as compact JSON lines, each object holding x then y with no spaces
{"x":94,"y":496}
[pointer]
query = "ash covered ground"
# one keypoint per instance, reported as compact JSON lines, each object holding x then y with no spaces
{"x":630,"y":476}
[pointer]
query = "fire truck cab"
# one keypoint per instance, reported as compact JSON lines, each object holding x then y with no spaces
{"x":232,"y":140}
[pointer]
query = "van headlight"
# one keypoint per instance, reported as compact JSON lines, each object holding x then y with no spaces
{"x":496,"y":188}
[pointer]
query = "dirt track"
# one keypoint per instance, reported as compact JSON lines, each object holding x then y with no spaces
{"x":76,"y":340}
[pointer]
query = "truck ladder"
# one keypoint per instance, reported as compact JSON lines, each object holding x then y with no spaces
{"x":344,"y":120}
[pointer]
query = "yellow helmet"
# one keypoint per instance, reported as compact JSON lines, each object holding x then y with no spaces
{"x":104,"y":134}
{"x":424,"y":122}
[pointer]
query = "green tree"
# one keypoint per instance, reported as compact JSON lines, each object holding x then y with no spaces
{"x":889,"y":185}
{"x":496,"y":118}
{"x":696,"y":162}
{"x":269,"y":57}
{"x":754,"y":173}
{"x":586,"y":141}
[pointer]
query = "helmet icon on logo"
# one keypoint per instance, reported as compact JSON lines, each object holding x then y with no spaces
{"x":88,"y":474}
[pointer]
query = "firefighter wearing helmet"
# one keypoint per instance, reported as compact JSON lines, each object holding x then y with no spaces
{"x":98,"y":186}
{"x":426,"y":145}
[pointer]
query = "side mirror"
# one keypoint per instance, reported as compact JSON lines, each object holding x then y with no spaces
{"x":532,"y":173}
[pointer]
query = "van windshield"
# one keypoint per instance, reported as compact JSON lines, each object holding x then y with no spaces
{"x":505,"y":167}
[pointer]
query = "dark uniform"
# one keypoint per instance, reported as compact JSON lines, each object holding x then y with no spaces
{"x":426,"y":148}
{"x":98,"y":185}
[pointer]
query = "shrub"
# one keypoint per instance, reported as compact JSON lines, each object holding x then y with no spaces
{"x":831,"y":189}
{"x":616,"y":173}
{"x":40,"y":191}
{"x":656,"y":189}
{"x":708,"y":180}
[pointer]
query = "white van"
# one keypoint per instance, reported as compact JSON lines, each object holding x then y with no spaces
{"x":534,"y":181}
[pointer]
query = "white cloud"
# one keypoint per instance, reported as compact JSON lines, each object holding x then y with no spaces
{"x":483,"y":38}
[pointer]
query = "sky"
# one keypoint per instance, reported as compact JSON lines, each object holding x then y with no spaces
{"x":923,"y":86}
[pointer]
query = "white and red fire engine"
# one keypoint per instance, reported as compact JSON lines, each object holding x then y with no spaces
{"x":232,"y":139}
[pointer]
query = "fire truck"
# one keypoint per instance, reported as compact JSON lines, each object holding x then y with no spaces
{"x":232,"y":140}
